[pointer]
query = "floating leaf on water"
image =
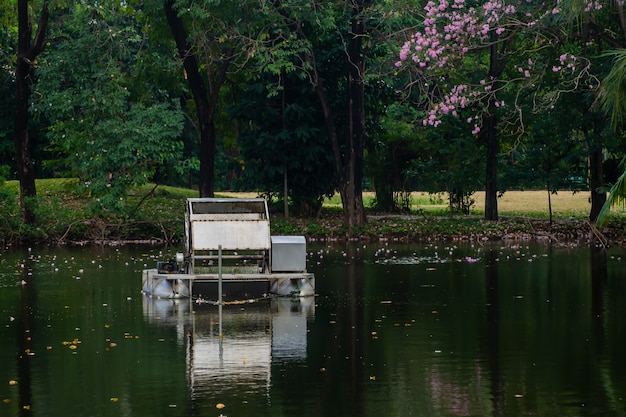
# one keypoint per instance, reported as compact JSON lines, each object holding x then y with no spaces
{"x":114,"y":399}
{"x":372,"y":377}
{"x":219,"y":406}
{"x":519,"y":395}
{"x":13,"y":382}
{"x":6,"y":400}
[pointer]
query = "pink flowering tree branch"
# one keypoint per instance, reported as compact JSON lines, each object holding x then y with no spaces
{"x":450,"y":51}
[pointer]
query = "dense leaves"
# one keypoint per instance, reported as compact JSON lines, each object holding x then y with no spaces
{"x":299,"y":99}
{"x":100,"y":129}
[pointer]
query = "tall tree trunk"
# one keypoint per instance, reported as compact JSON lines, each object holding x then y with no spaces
{"x":491,"y":172}
{"x":352,"y":187}
{"x":205,"y":99}
{"x":596,"y":180}
{"x":27,"y":51}
{"x":497,"y":60}
{"x":349,"y":157}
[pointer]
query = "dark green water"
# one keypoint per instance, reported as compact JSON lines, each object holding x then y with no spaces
{"x":467,"y":330}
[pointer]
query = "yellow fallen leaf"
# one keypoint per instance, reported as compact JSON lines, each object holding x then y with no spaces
{"x":219,"y":406}
{"x":114,"y":399}
{"x":13,"y":382}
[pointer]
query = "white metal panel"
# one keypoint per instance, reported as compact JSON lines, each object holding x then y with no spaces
{"x":232,"y":235}
{"x":288,"y":254}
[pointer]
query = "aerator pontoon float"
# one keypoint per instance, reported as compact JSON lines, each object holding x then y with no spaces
{"x":227,"y":245}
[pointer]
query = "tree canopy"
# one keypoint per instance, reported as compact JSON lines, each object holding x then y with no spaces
{"x":300,"y":99}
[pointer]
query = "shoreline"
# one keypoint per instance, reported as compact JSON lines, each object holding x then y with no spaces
{"x":410,"y":229}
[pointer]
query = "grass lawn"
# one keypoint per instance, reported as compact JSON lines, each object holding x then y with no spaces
{"x":157,"y":214}
{"x":565,"y":204}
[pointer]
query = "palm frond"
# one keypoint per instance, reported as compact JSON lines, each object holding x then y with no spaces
{"x":617,"y":195}
{"x":613,"y":89}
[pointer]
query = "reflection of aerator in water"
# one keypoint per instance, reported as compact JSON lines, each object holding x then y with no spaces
{"x":255,"y":336}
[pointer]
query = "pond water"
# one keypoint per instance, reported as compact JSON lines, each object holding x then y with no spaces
{"x":396,"y":330}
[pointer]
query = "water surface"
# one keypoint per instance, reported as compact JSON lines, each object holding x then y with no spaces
{"x":396,"y":330}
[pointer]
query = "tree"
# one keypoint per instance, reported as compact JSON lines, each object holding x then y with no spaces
{"x":28,"y":48}
{"x":554,"y":155}
{"x":334,"y":41}
{"x":204,"y":100}
{"x":283,"y":142}
{"x":214,"y":40}
{"x":449,"y":161}
{"x":472,"y":56}
{"x":601,"y":25}
{"x":394,"y":147}
{"x":613,"y":93}
{"x":103,"y":127}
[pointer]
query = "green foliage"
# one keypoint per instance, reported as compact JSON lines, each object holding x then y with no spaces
{"x":285,"y":135}
{"x":448,"y":158}
{"x":102,"y":128}
{"x":613,"y":90}
{"x":617,"y":196}
{"x":553,"y":157}
{"x":390,"y":153}
{"x":10,"y":217}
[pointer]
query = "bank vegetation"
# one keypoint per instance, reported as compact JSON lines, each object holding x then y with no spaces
{"x":154,"y":214}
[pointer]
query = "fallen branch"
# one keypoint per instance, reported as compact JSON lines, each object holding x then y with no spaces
{"x":603,"y":240}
